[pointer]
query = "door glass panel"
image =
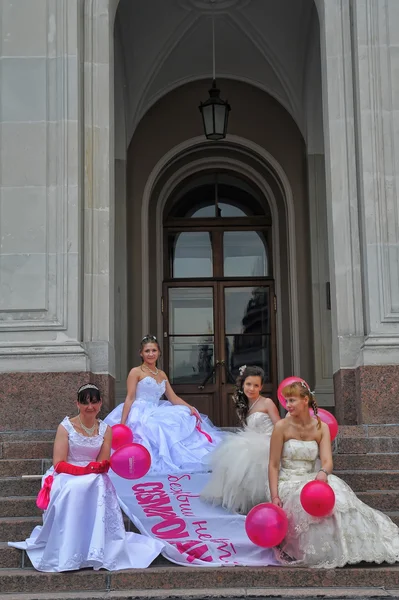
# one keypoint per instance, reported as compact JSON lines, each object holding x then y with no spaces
{"x":247,"y":310}
{"x":191,"y":254}
{"x":249,"y":350}
{"x":191,"y":359}
{"x":244,"y":254}
{"x":191,"y":311}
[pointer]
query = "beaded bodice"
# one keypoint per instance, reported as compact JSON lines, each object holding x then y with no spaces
{"x":149,"y":390}
{"x":260,"y":422}
{"x":83,"y":449}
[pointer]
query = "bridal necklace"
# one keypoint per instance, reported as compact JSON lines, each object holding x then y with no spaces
{"x":253,"y":403}
{"x":155,"y":373}
{"x":88,"y":430}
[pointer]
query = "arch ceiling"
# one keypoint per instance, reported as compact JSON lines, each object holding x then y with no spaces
{"x":165,"y":43}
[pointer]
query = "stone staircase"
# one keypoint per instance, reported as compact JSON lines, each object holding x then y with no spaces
{"x":367,"y":457}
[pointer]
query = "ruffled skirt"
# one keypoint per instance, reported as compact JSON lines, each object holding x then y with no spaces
{"x":239,"y":479}
{"x":353,"y":533}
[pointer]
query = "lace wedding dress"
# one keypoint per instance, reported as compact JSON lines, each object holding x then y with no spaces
{"x":239,"y":479}
{"x":168,"y":431}
{"x":83,"y":524}
{"x":352,"y":534}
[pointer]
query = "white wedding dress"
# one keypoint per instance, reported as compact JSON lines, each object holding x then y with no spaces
{"x":83,"y":524}
{"x":353,"y":533}
{"x":168,"y":431}
{"x":239,"y":479}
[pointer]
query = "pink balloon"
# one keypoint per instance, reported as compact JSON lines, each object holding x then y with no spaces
{"x":330,"y":420}
{"x":266,"y":525}
{"x":283,"y":384}
{"x":317,"y":498}
{"x":131,"y":462}
{"x":121,"y":435}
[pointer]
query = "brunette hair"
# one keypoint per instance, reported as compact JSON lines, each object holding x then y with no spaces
{"x":301,"y":388}
{"x":89,"y":390}
{"x":239,"y":398}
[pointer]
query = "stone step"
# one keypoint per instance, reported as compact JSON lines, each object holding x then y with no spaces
{"x":359,"y":431}
{"x":387,"y":500}
{"x":19,"y":506}
{"x":15,"y":467}
{"x":26,"y":449}
{"x":40,"y":435}
{"x":394,"y":515}
{"x":172,"y":577}
{"x":270,"y":593}
{"x":17,"y":528}
{"x":17,"y":486}
{"x":366,"y":445}
{"x":373,"y":462}
{"x":364,"y":480}
{"x":12,"y":558}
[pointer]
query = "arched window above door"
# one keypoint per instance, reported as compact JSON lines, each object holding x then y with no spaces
{"x":217,"y":226}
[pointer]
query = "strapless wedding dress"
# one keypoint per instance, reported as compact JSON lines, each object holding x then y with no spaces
{"x":353,"y":533}
{"x":239,"y":479}
{"x":83,"y":524}
{"x":168,"y":431}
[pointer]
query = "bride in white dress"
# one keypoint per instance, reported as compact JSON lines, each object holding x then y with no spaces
{"x":83,"y":524}
{"x":176,"y":435}
{"x":354,"y":532}
{"x":239,"y":465}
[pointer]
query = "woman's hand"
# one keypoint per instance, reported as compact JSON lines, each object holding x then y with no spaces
{"x":321,"y":476}
{"x":277,"y":501}
{"x":195,"y":413}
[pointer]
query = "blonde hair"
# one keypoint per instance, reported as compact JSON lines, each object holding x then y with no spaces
{"x":300,"y":388}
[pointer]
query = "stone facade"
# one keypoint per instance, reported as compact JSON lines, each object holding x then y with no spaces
{"x":65,"y":167}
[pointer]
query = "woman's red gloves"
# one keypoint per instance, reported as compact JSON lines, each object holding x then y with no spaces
{"x":93,"y":467}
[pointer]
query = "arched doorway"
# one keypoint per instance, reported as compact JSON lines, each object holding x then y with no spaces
{"x":218,"y":290}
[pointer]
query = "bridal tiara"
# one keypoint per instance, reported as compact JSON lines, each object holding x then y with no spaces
{"x":88,"y":386}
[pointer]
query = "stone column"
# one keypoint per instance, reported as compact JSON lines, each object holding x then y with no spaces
{"x":360,"y":45}
{"x":342,"y":203}
{"x":99,"y":188}
{"x":40,"y":271}
{"x":376,"y":67}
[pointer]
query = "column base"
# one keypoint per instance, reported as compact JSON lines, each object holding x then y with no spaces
{"x":41,"y":400}
{"x":366,"y":395}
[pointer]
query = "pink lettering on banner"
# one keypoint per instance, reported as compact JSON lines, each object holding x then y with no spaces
{"x":194,"y":550}
{"x":156,"y":502}
{"x":159,"y":505}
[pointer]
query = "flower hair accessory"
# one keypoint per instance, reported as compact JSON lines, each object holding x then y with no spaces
{"x":307,"y":388}
{"x":242,"y":369}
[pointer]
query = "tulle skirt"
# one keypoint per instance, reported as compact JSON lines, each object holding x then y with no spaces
{"x":239,"y":479}
{"x":170,"y":434}
{"x":353,"y":533}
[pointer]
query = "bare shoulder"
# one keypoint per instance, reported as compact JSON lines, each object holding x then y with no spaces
{"x":325,"y":430}
{"x":281,"y":426}
{"x":61,"y":429}
{"x":135,"y":372}
{"x":163,"y":374}
{"x":268,"y":403}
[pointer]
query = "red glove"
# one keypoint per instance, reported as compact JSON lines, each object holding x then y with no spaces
{"x":93,"y":467}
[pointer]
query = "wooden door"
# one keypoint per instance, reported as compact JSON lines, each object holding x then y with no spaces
{"x":211,"y":328}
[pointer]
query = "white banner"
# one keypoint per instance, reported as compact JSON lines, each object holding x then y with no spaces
{"x":195,"y":534}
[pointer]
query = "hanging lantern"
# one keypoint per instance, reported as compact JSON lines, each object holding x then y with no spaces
{"x":215,"y":114}
{"x":214,"y":111}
